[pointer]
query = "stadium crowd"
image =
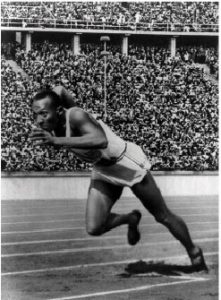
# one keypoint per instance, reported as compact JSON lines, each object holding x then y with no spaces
{"x":195,"y":54}
{"x":180,"y":16}
{"x":165,"y":105}
{"x":201,"y":55}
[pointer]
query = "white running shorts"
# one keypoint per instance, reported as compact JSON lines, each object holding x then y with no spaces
{"x":128,"y":171}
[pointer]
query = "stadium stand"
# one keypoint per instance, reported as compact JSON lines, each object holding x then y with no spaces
{"x":165,"y":104}
{"x":148,"y":16}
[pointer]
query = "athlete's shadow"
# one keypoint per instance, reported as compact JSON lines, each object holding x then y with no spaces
{"x":160,"y":268}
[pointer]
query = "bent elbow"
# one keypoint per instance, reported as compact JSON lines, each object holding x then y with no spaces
{"x":58,"y":90}
{"x":104,"y":144}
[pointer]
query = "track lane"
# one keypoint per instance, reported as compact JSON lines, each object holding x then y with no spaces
{"x":156,"y":243}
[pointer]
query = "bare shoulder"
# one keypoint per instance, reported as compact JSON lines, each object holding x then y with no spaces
{"x":78,"y":115}
{"x":81,"y":119}
{"x":77,"y":112}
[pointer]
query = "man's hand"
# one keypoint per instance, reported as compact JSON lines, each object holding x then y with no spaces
{"x":42,"y":137}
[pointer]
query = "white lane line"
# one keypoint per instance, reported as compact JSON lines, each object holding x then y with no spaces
{"x":120,"y":206}
{"x":102,"y":264}
{"x":43,"y":221}
{"x":128,"y":199}
{"x":123,"y":198}
{"x":83,"y":228}
{"x":121,"y":209}
{"x":135,"y":289}
{"x":40,"y":215}
{"x":100,"y":248}
{"x":102,"y":238}
{"x":73,"y":219}
{"x":41,"y":230}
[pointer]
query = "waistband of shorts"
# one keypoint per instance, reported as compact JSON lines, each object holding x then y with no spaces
{"x":112,"y":160}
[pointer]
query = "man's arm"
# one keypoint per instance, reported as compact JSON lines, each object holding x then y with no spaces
{"x":90,"y":133}
{"x":67,"y":100}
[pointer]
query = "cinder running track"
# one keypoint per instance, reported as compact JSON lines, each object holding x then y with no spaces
{"x":47,"y":254}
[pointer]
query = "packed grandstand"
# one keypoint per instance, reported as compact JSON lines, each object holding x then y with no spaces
{"x":167,"y":105}
{"x":170,"y":16}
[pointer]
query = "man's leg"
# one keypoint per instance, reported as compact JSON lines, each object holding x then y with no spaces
{"x":150,"y":195}
{"x":99,"y":219}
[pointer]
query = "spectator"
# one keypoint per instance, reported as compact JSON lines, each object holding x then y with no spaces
{"x":174,"y":16}
{"x":168,"y":101}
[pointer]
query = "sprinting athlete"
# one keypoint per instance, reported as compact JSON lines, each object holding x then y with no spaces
{"x":116,"y":164}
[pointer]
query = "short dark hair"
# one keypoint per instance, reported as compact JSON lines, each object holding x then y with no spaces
{"x":56,"y":101}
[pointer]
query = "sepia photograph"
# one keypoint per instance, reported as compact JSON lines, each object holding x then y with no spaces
{"x":109,"y":150}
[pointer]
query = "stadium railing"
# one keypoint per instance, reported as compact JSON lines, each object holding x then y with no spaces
{"x":82,"y":24}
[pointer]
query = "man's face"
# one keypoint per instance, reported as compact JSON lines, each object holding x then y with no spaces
{"x":45,"y":114}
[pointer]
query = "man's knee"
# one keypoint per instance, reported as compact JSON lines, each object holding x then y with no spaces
{"x":94,"y":229}
{"x":163,"y":218}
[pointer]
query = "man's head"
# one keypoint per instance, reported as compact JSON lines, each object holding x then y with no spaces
{"x":45,"y":106}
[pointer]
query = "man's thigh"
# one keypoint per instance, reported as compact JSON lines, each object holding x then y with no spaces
{"x":150,"y":195}
{"x":101,"y":197}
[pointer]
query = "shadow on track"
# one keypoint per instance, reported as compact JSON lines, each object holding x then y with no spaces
{"x":152,"y":269}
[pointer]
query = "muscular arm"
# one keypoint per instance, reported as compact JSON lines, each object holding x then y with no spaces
{"x":91,"y":135}
{"x":67,"y":100}
{"x":88,"y":133}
